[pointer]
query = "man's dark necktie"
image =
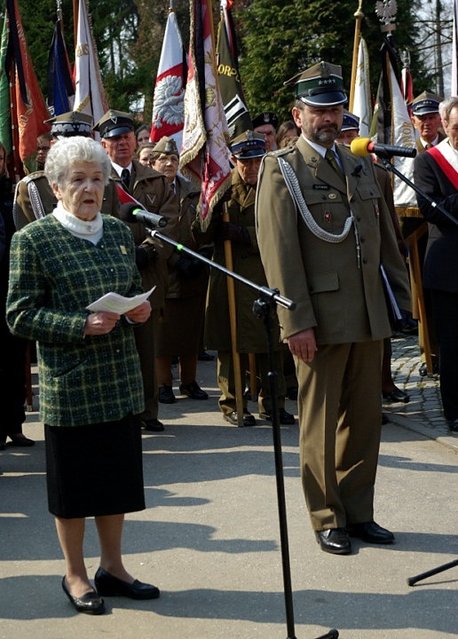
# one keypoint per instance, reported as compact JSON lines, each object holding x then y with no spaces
{"x":331,"y":158}
{"x":125,"y":178}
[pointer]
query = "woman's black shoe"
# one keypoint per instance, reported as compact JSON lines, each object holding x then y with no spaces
{"x":20,"y":440}
{"x":108,"y":585}
{"x":90,"y":603}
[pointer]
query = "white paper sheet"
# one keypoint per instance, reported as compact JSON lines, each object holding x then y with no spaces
{"x":116,"y":303}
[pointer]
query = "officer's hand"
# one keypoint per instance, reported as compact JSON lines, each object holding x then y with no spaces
{"x":234,"y":233}
{"x":303,"y":345}
{"x":188,"y":267}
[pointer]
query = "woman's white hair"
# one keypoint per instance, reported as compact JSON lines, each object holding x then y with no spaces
{"x":64,"y":153}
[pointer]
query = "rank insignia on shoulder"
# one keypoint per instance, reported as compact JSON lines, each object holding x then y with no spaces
{"x":320,"y":187}
{"x":123,"y":249}
{"x":279,"y":152}
{"x":328,"y":217}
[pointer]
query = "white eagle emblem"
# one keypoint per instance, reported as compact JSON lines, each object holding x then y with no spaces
{"x":386,"y":10}
{"x":168,"y":104}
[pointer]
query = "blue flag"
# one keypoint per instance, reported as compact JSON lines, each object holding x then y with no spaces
{"x":60,"y":84}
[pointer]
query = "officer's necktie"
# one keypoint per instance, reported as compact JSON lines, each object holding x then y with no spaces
{"x":331,"y":158}
{"x":125,"y":178}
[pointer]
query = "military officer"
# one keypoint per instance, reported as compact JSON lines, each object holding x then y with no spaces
{"x":247,"y":150}
{"x":350,"y":128}
{"x":181,"y":326}
{"x":151,"y":189}
{"x":266,"y":123}
{"x":323,"y":232}
{"x":426,"y":119}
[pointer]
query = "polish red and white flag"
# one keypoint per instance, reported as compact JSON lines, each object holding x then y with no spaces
{"x":168,"y":99}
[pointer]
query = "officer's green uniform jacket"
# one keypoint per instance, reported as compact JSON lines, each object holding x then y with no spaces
{"x":336,"y":292}
{"x":153,"y":192}
{"x":246,"y":262}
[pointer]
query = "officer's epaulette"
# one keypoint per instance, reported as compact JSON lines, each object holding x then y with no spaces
{"x":33,"y":176}
{"x":279,"y":152}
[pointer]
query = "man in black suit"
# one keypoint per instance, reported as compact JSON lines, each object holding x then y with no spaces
{"x":436,"y":174}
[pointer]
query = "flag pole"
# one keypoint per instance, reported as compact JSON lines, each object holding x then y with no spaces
{"x":230,"y":285}
{"x":359,"y":15}
{"x":233,"y":326}
{"x":75,"y":21}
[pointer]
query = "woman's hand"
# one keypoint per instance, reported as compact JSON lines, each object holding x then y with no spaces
{"x":140,"y":313}
{"x":101,"y":323}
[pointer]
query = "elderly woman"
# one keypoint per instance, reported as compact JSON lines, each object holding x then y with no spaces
{"x":90,"y":380}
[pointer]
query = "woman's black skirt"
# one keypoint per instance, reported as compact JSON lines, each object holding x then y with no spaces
{"x":95,"y":470}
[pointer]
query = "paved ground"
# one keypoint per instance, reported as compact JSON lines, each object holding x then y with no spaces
{"x":210,"y":537}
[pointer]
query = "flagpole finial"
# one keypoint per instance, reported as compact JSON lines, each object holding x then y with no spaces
{"x":385,"y":11}
{"x":405,"y":57}
{"x":359,"y":11}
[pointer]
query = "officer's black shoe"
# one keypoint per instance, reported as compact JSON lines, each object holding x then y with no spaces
{"x":248,"y":419}
{"x":371,"y":533}
{"x":286,"y":419}
{"x":334,"y":540}
{"x":166,"y":395}
{"x":193,"y":390}
{"x":152,"y":425}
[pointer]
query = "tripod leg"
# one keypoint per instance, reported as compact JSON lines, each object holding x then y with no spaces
{"x":332,"y":634}
{"x":413,"y":580}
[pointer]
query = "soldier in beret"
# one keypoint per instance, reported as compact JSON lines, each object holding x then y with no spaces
{"x":266,"y":123}
{"x":34,"y":197}
{"x":323,"y":232}
{"x":247,"y":151}
{"x":151,"y":189}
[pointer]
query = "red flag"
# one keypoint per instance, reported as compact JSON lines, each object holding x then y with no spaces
{"x":204,"y":155}
{"x":125,"y":197}
{"x":168,"y":101}
{"x":407,"y":84}
{"x":28,"y":108}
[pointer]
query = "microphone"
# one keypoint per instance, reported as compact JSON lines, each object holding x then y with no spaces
{"x":133,"y":213}
{"x":365,"y":146}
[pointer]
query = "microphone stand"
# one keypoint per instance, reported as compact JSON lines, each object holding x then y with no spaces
{"x":385,"y":157}
{"x":264,"y":308}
